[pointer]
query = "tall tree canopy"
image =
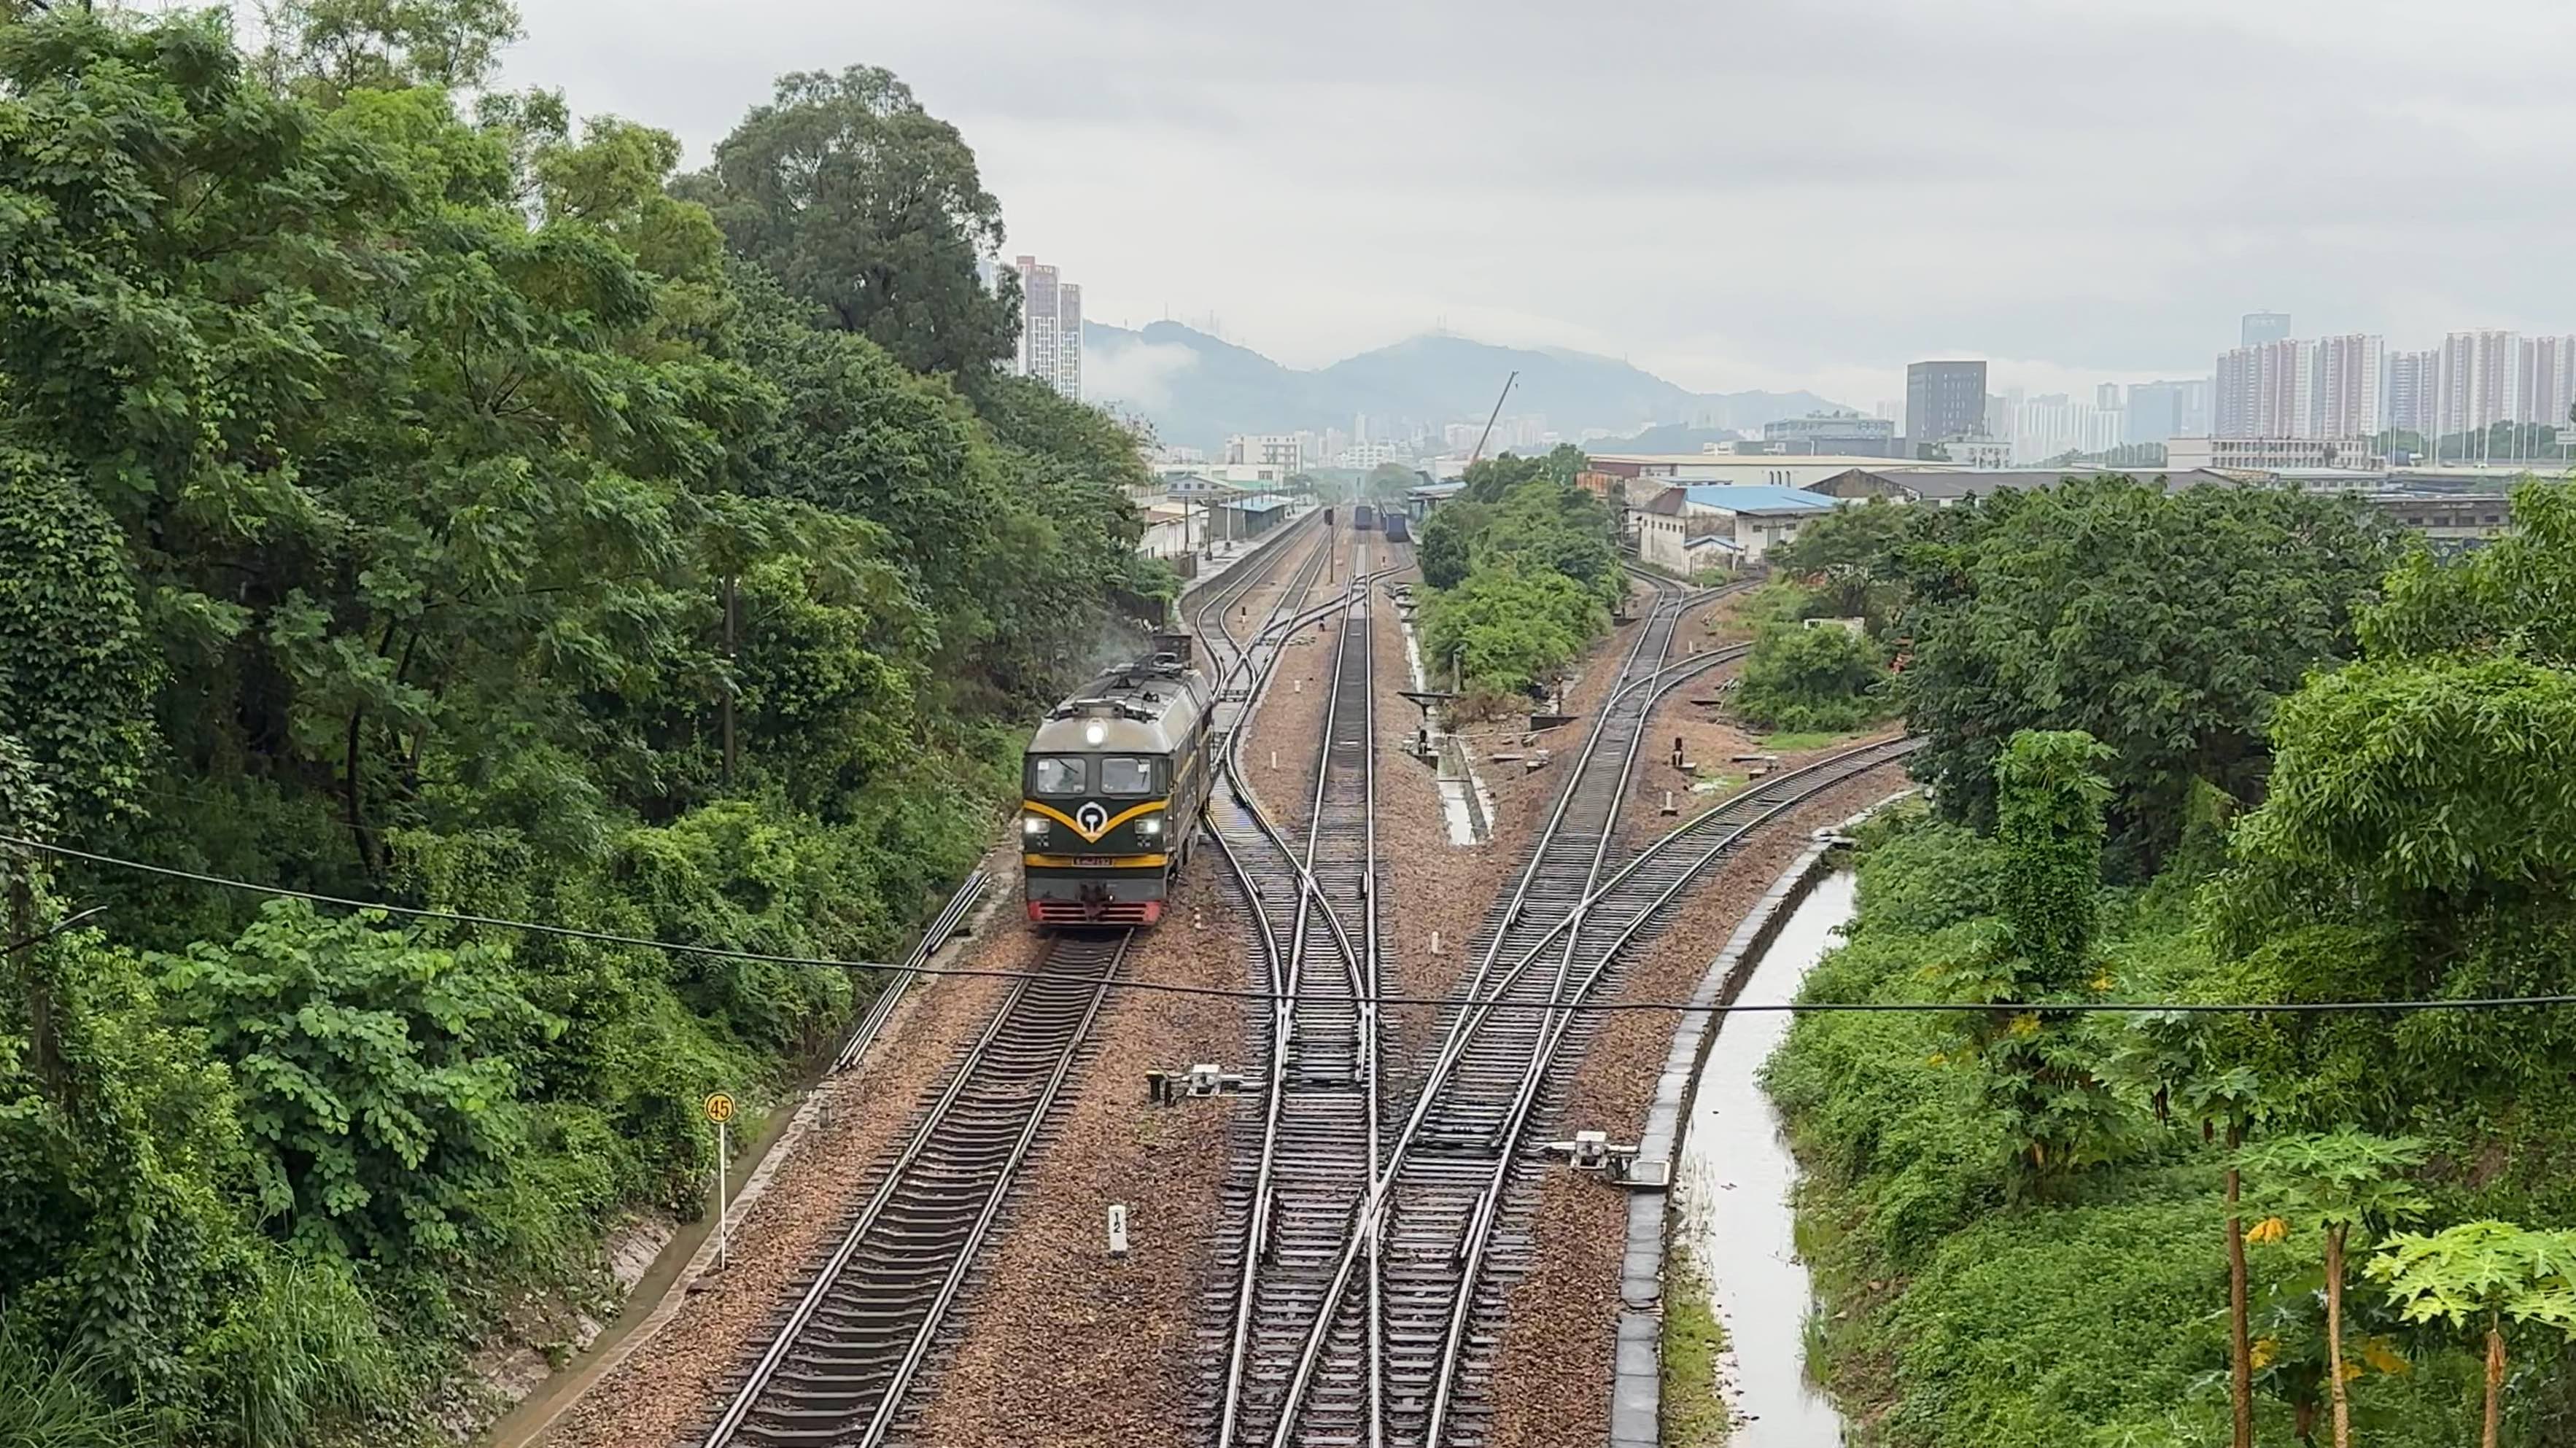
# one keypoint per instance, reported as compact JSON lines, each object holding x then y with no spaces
{"x":2167,"y":626}
{"x":429,"y":510}
{"x":862,"y":202}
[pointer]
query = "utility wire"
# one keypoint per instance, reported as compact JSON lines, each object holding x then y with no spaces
{"x":1236,"y":993}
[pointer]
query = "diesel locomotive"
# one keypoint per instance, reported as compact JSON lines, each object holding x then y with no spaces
{"x":1110,"y":785}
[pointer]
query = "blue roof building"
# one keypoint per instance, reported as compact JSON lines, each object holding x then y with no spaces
{"x":1695,"y":527}
{"x":1760,"y":499}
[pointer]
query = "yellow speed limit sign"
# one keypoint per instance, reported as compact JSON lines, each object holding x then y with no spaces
{"x":719,"y":1108}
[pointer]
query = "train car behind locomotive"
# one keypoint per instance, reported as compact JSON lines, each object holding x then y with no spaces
{"x":1111,"y":783}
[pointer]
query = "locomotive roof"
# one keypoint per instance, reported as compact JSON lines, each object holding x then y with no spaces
{"x":1145,"y":707}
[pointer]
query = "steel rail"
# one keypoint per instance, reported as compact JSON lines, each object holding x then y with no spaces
{"x":1368,"y":1231}
{"x":880,"y":1010}
{"x":1353,"y":671}
{"x":1803,"y":785}
{"x":1353,"y":676}
{"x":1059,"y":1027}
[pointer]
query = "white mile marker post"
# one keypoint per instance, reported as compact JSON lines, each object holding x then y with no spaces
{"x":720,"y":1111}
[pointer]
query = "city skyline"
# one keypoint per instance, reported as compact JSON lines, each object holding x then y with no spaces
{"x":1378,"y":223}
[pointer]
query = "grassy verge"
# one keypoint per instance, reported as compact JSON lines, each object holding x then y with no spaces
{"x":1694,"y":1413}
{"x":1797,"y":742}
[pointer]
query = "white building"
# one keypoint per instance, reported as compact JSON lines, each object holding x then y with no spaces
{"x":2265,"y":390}
{"x":1365,"y":455}
{"x":2545,"y":382}
{"x":1050,"y":328}
{"x":2414,"y":391}
{"x":1975,"y":452}
{"x":2055,"y":424}
{"x":1649,"y":473}
{"x":1271,"y":449}
{"x":1692,"y":530}
{"x":2478,"y":381}
{"x":2347,"y":396}
{"x":2264,"y":454}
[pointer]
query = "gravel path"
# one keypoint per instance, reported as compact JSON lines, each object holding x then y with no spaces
{"x":1433,"y":888}
{"x":1064,"y":1345}
{"x":1291,"y":717}
{"x":673,"y":1383}
{"x":1552,"y":1373}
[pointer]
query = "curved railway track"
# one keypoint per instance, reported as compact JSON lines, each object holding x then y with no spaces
{"x":838,"y":1370}
{"x":1314,"y":1148}
{"x":1433,"y":1243}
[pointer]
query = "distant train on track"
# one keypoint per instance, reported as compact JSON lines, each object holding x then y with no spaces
{"x":1110,"y":785}
{"x":1363,"y":518}
{"x":1397,"y":528}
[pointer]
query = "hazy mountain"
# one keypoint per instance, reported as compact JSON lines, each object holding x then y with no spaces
{"x":1197,"y":390}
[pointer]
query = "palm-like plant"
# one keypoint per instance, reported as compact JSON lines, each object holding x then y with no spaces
{"x":2478,"y":1275}
{"x":2349,"y":1185}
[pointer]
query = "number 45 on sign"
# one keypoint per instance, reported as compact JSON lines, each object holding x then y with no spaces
{"x":720,"y":1111}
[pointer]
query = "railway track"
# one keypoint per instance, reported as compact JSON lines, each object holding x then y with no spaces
{"x":1314,"y":1147}
{"x":1433,"y":1245}
{"x":838,"y":1369}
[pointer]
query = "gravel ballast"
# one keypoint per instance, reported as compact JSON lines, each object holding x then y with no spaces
{"x":673,"y":1381}
{"x":1556,"y":1350}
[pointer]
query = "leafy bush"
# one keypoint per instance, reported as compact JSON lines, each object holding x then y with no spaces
{"x":375,"y":1074}
{"x":1512,"y":627}
{"x":1800,"y":678}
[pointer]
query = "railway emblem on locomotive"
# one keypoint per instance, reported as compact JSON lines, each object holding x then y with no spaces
{"x":1092,"y":817}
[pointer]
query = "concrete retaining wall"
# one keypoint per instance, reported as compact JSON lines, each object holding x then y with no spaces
{"x":1637,"y":1383}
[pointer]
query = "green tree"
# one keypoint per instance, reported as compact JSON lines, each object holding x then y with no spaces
{"x":2417,"y":838}
{"x":868,"y":206}
{"x":2166,"y":626}
{"x":76,"y":672}
{"x":1445,"y":544}
{"x":1810,"y":678}
{"x":1549,"y":526}
{"x":2188,"y":1076}
{"x":375,"y":1073}
{"x":1849,"y":557}
{"x":2041,"y":1072}
{"x":2478,"y":1276}
{"x":2348,"y":1185}
{"x":337,"y":46}
{"x":1512,"y":628}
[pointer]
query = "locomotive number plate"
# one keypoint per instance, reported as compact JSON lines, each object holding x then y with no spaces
{"x":1091,"y":862}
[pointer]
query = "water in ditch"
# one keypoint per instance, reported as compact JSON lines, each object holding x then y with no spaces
{"x":1733,"y":1186}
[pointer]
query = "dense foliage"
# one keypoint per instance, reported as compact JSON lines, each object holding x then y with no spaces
{"x":427,"y":509}
{"x":1807,"y":677}
{"x":2404,"y":1199}
{"x":1524,"y":570}
{"x":2167,"y":626}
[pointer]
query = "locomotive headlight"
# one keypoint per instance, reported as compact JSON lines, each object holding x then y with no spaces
{"x":1150,"y":825}
{"x":1033,"y":826}
{"x":1093,"y":734}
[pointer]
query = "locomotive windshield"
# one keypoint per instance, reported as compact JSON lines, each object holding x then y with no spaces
{"x":1059,"y":774}
{"x":1126,"y":774}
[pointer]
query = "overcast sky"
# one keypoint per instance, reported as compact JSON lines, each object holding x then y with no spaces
{"x":1734,"y":195}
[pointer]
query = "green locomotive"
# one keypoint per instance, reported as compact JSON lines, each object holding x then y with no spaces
{"x":1111,"y":784}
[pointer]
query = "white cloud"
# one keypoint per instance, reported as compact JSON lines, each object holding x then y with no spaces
{"x":1135,"y":374}
{"x":1743,"y":195}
